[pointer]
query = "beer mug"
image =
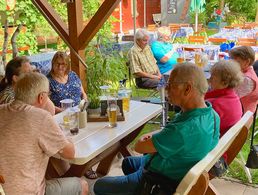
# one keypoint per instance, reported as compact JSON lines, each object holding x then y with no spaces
{"x":112,"y":110}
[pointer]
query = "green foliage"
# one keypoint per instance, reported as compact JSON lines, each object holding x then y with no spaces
{"x":94,"y":101}
{"x":202,"y":17}
{"x":240,"y":10}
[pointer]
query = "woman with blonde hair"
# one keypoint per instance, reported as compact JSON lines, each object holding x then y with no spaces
{"x":64,"y":83}
{"x":163,"y":51}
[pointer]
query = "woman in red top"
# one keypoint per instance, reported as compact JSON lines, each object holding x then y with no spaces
{"x":225,"y":76}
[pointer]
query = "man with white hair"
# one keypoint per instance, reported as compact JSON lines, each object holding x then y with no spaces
{"x":174,"y":150}
{"x":28,"y":137}
{"x":142,"y":62}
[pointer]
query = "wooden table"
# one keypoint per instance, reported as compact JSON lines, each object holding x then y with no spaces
{"x":98,"y":143}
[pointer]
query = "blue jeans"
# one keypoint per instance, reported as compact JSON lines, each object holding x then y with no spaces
{"x":122,"y":185}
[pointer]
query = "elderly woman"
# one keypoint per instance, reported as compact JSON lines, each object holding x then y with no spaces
{"x":163,"y":51}
{"x":13,"y":70}
{"x":248,"y":90}
{"x":64,"y":84}
{"x":225,"y":76}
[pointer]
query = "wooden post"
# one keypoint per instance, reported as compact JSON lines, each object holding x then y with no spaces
{"x":75,"y":35}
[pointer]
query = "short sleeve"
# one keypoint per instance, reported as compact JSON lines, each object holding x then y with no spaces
{"x":158,"y":50}
{"x":169,"y":141}
{"x":246,"y":87}
{"x":134,"y":62}
{"x":51,"y":137}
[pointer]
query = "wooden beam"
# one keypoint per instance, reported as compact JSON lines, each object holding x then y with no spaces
{"x":75,"y":23}
{"x":53,"y":18}
{"x":96,"y":22}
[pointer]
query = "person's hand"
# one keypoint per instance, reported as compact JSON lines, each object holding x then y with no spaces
{"x":156,"y":77}
{"x":145,"y":137}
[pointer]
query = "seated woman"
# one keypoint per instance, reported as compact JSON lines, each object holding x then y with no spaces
{"x":163,"y":51}
{"x":64,"y":84}
{"x":248,"y":90}
{"x":225,"y":76}
{"x":14,"y":68}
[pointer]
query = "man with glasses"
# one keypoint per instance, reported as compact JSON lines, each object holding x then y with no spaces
{"x":142,"y":62}
{"x":183,"y":142}
{"x":28,"y":137}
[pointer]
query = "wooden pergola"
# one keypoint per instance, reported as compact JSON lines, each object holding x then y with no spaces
{"x":76,"y":34}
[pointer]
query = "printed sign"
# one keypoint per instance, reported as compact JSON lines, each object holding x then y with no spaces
{"x":172,"y":6}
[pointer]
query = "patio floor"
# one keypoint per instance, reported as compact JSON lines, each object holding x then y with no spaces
{"x":225,"y":186}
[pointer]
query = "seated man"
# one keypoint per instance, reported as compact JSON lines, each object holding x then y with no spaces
{"x":164,"y":52}
{"x":142,"y":62}
{"x":28,"y":137}
{"x":181,"y":144}
{"x":248,"y":90}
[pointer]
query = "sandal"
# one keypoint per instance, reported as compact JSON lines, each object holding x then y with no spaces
{"x":90,"y":174}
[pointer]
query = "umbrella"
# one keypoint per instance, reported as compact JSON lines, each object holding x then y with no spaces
{"x":197,"y":6}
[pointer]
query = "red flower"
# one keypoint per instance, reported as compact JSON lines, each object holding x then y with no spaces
{"x":218,"y":11}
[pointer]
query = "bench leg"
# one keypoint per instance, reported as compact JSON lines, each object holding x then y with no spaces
{"x":211,"y":190}
{"x":242,"y":164}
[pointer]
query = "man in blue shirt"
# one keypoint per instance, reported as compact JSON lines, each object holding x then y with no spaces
{"x":186,"y":140}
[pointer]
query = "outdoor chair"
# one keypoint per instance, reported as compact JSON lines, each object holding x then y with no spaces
{"x":151,"y":27}
{"x":196,"y":39}
{"x":217,"y":40}
{"x":229,"y":27}
{"x":226,"y":143}
{"x":1,"y":182}
{"x":246,"y":41}
{"x":157,"y":18}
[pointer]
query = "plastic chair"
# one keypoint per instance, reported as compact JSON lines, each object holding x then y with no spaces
{"x":196,"y":39}
{"x":217,"y":40}
{"x":246,"y":41}
{"x":1,"y":182}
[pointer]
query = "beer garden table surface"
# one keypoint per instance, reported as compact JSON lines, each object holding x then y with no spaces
{"x":99,"y":143}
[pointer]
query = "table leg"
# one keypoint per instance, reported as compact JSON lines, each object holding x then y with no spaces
{"x":106,"y":158}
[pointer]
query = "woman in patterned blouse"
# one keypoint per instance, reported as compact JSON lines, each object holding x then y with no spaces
{"x":64,"y":84}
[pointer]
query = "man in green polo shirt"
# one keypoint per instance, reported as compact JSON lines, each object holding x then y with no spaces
{"x":181,"y":144}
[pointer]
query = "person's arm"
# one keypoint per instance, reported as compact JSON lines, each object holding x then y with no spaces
{"x":145,"y":144}
{"x":245,"y":88}
{"x":84,"y":95}
{"x":168,"y":55}
{"x":68,"y":151}
{"x":152,"y":76}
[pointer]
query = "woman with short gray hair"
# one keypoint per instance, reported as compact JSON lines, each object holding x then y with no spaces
{"x":163,"y":51}
{"x":225,"y":76}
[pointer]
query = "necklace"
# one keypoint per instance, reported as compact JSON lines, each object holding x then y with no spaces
{"x":61,"y":79}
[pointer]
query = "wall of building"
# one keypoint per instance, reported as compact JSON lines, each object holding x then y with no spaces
{"x":152,"y":7}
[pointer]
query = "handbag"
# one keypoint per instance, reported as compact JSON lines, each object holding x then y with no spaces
{"x":153,"y":183}
{"x":252,"y":160}
{"x":219,"y":168}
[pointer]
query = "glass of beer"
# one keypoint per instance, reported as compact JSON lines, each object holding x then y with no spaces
{"x":112,"y":110}
{"x":125,"y":95}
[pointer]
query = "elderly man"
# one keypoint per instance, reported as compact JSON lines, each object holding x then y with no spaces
{"x":28,"y":137}
{"x":142,"y":62}
{"x":181,"y":144}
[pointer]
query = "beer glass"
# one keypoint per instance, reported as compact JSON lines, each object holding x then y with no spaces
{"x":125,"y":95}
{"x":112,"y":110}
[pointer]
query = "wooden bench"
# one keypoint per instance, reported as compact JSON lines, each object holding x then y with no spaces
{"x":1,"y":182}
{"x":194,"y":181}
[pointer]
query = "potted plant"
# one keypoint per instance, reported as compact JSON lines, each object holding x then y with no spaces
{"x":105,"y":67}
{"x":94,"y":106}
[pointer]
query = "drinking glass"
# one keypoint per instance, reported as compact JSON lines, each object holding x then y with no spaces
{"x":112,"y":110}
{"x":125,"y":95}
{"x":73,"y":114}
{"x":66,"y":103}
